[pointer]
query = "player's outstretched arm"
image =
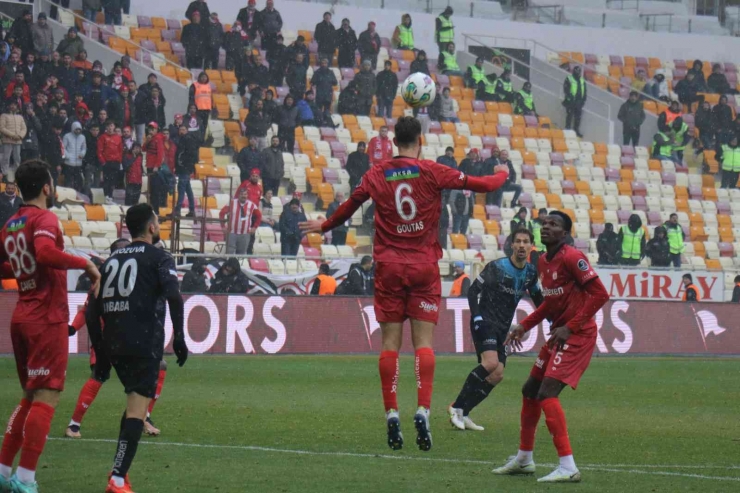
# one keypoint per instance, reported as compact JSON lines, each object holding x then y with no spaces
{"x":485,"y":184}
{"x":48,"y":255}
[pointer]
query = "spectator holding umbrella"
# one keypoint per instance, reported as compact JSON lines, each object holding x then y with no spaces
{"x":325,"y":35}
{"x":346,"y":40}
{"x":369,"y":45}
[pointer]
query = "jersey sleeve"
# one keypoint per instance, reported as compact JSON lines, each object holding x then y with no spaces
{"x":488,"y":275}
{"x":447,"y":178}
{"x":579,"y":267}
{"x":167,"y":272}
{"x":46,"y":225}
{"x":535,"y":292}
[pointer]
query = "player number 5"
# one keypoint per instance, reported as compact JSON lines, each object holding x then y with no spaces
{"x":21,"y":260}
{"x":130,"y":268}
{"x":405,"y":200}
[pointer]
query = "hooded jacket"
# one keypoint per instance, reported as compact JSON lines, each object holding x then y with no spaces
{"x":273,"y":165}
{"x":607,"y":246}
{"x":75,"y":146}
{"x":634,"y":224}
{"x":658,"y":249}
{"x":237,"y":283}
{"x":12,"y":128}
{"x":358,"y":163}
{"x":193,"y":280}
{"x":356,"y":283}
{"x":420,"y":65}
{"x":632,"y":115}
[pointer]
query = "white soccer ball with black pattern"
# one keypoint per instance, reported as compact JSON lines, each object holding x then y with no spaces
{"x":418,"y":90}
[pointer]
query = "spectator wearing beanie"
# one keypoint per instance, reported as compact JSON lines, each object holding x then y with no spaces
{"x":252,"y":186}
{"x":215,"y":41}
{"x":152,"y":109}
{"x":72,"y":44}
{"x":386,"y":88}
{"x":52,"y":149}
{"x":43,"y":37}
{"x":195,"y":40}
{"x":632,"y":115}
{"x":323,"y":82}
{"x":116,"y":80}
{"x":21,"y":31}
{"x":287,"y":120}
{"x":257,"y":124}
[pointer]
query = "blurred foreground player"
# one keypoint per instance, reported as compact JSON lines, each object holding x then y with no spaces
{"x":573,"y":294}
{"x":90,"y":390}
{"x":137,"y":281}
{"x":407,"y":192}
{"x":33,"y":246}
{"x":500,"y":285}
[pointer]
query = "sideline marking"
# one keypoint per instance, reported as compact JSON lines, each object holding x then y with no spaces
{"x":624,"y":468}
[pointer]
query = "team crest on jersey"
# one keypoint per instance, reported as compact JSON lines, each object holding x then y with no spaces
{"x":17,"y":224}
{"x":582,"y":265}
{"x":402,"y":173}
{"x":554,"y":276}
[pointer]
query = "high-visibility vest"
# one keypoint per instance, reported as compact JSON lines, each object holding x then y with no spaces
{"x":456,"y":289}
{"x":537,"y":232}
{"x":632,"y":243}
{"x":575,"y":84}
{"x":670,"y":116}
{"x":675,"y":239}
{"x":521,"y":223}
{"x":730,"y":158}
{"x":328,"y":285}
{"x":447,"y":36}
{"x":664,"y":150}
{"x":405,"y":37}
{"x":528,"y":100}
{"x":450,"y":61}
{"x":506,"y":85}
{"x":203,"y":96}
{"x":691,"y":286}
{"x":477,"y":74}
{"x":678,"y":138}
{"x":490,"y":86}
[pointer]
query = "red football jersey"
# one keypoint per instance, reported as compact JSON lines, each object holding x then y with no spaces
{"x":42,"y":290}
{"x":562,"y":280}
{"x":408,"y":203}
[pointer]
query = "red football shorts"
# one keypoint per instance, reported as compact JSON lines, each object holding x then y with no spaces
{"x":41,"y":354}
{"x":565,"y":365}
{"x":407,"y":291}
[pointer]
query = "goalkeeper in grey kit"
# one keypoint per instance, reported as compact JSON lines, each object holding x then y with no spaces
{"x":500,"y":286}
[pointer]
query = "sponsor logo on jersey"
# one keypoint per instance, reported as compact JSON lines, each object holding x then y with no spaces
{"x":130,"y":249}
{"x":410,"y":228}
{"x":115,"y":306}
{"x":508,"y":290}
{"x":490,"y":342}
{"x":38,"y":372}
{"x":553,"y":292}
{"x":539,"y":363}
{"x":16,"y":224}
{"x":429,"y":307}
{"x":27,"y":285}
{"x":406,"y":173}
{"x":583,"y":265}
{"x":554,"y":276}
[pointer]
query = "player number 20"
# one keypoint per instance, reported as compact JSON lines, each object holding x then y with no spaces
{"x":21,"y":260}
{"x":125,"y":288}
{"x":402,"y":200}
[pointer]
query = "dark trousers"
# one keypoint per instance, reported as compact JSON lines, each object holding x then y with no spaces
{"x":460,"y":223}
{"x":338,"y":238}
{"x":287,"y":138}
{"x":676,"y":260}
{"x":631,"y":136}
{"x":385,"y":107}
{"x":573,"y":114}
{"x":126,"y":6}
{"x":364,"y":105}
{"x":193,"y":61}
{"x":157,"y":190}
{"x":323,"y":104}
{"x":73,"y":177}
{"x":729,"y":179}
{"x":212,"y":59}
{"x":346,"y":59}
{"x":54,"y":12}
{"x":271,"y":184}
{"x":629,"y":261}
{"x":110,"y":177}
{"x":112,"y":16}
{"x":498,"y":195}
{"x":269,"y":41}
{"x":203,"y":116}
{"x":289,"y":245}
{"x":133,"y":192}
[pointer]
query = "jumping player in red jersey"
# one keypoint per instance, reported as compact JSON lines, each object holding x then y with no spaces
{"x":407,"y":193}
{"x":90,"y":390}
{"x":33,"y":245}
{"x":573,"y":294}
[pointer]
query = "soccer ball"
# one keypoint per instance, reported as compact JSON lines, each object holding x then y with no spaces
{"x":418,"y":90}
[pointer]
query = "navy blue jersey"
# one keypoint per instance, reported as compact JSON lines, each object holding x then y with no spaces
{"x":500,"y":286}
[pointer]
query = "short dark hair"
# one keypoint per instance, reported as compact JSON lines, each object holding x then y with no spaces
{"x":324,"y":269}
{"x":673,"y":214}
{"x":407,"y":130}
{"x":367,"y":259}
{"x":450,"y":149}
{"x":295,"y":202}
{"x":567,"y":221}
{"x":542,"y":209}
{"x":522,"y":231}
{"x":31,"y":177}
{"x":117,"y":245}
{"x":690,"y":277}
{"x":138,"y":218}
{"x":737,"y":279}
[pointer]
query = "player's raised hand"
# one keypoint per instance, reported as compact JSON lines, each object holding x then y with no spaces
{"x":312,"y":226}
{"x":94,"y":274}
{"x":181,"y":350}
{"x":558,"y":336}
{"x":501,"y":168}
{"x":514,"y":337}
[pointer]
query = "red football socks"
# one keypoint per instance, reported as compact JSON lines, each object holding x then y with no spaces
{"x":555,"y":419}
{"x":531,"y":410}
{"x":424,"y":368}
{"x":388,"y":369}
{"x":84,"y":401}
{"x":13,"y":439}
{"x":160,"y":384}
{"x":35,"y":432}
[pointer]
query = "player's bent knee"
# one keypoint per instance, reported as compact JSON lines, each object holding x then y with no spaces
{"x":496,"y":377}
{"x":47,"y":396}
{"x":549,"y":388}
{"x":531,"y":388}
{"x":489,"y":361}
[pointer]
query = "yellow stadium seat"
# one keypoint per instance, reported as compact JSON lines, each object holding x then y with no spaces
{"x":95,"y":213}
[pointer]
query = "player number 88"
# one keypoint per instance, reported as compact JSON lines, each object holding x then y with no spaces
{"x":21,"y":260}
{"x":407,"y":200}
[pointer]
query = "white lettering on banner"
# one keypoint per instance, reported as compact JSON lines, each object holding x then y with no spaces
{"x":459,"y":306}
{"x":238,"y":326}
{"x":204,"y":302}
{"x":659,"y":285}
{"x":624,"y":345}
{"x":274,"y":346}
{"x":76,"y":303}
{"x":599,"y":319}
{"x":372,"y":324}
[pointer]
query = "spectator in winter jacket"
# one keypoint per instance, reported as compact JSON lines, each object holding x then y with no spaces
{"x":133,"y":165}
{"x":116,"y":80}
{"x":10,"y":202}
{"x":33,"y":72}
{"x":276,"y":59}
{"x":704,"y":121}
{"x":21,"y":31}
{"x":290,"y":232}
{"x":323,"y":82}
{"x":43,"y":37}
{"x":122,"y":109}
{"x":717,"y":81}
{"x":154,"y":147}
{"x":252,"y":186}
{"x":366,"y":88}
{"x":248,"y":159}
{"x":687,"y":90}
{"x":296,"y":77}
{"x":110,"y":155}
{"x":420,"y":64}
{"x":299,"y":46}
{"x":194,"y":280}
{"x":52,"y":148}
{"x":272,"y":166}
{"x":632,"y":115}
{"x":358,"y":163}
{"x":448,"y":158}
{"x":215,"y":40}
{"x":380,"y":148}
{"x":447,"y":111}
{"x":658,"y":249}
{"x":723,"y":118}
{"x":461,"y":202}
{"x":257,"y":74}
{"x":75,"y":148}
{"x":305,"y":109}
{"x":152,"y":108}
{"x":234,"y":46}
{"x":72,"y":45}
{"x":608,"y":246}
{"x":287,"y":120}
{"x":386,"y":83}
{"x":348,"y":101}
{"x":369,"y":45}
{"x":195,"y":40}
{"x":230,"y":279}
{"x":358,"y":281}
{"x":338,"y":234}
{"x":325,"y":34}
{"x":248,"y":21}
{"x":12,"y":131}
{"x":170,"y":149}
{"x":257,"y":124}
{"x":30,"y":146}
{"x":199,"y":6}
{"x":269,"y":25}
{"x":633,"y":229}
{"x":736,"y":290}
{"x":97,"y":96}
{"x":697,"y":69}
{"x":346,"y":40}
{"x":90,"y":9}
{"x":187,"y":158}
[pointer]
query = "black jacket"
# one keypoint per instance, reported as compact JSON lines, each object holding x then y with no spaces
{"x":736,"y":294}
{"x":243,"y":17}
{"x":117,"y":110}
{"x":386,"y":83}
{"x":295,"y":49}
{"x":215,"y":35}
{"x":192,"y":282}
{"x":717,"y":83}
{"x":631,"y":114}
{"x":704,"y":121}
{"x":324,"y":81}
{"x":257,"y":124}
{"x":202,"y":7}
{"x":346,"y":40}
{"x":248,"y":159}
{"x":368,"y":44}
{"x":152,"y":113}
{"x":343,"y":228}
{"x":356,"y":283}
{"x":658,"y":250}
{"x":420,"y":65}
{"x":358,"y":163}
{"x":8,"y":206}
{"x":289,"y":224}
{"x":233,"y":284}
{"x":447,"y":161}
{"x":722,"y":116}
{"x":195,"y":39}
{"x":296,"y":80}
{"x":325,"y":36}
{"x":187,"y":153}
{"x":347,"y":104}
{"x":22,"y":32}
{"x":269,"y":21}
{"x":91,"y":156}
{"x":608,"y":248}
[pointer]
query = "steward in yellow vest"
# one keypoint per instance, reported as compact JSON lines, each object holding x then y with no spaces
{"x":632,"y":240}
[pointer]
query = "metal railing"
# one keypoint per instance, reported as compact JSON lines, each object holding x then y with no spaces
{"x":653,"y":22}
{"x":620,"y":4}
{"x":552,"y":13}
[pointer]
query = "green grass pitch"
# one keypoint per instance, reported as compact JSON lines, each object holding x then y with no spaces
{"x":315,"y":424}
